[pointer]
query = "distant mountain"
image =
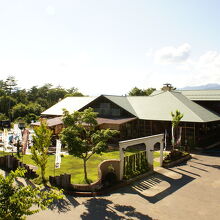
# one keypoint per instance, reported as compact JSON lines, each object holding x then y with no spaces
{"x":202,"y":87}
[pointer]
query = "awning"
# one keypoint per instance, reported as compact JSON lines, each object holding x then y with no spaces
{"x":58,"y":121}
{"x":117,"y":121}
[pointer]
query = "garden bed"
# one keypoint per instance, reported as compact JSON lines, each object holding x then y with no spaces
{"x":175,"y":158}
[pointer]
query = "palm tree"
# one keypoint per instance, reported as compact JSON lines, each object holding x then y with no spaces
{"x":176,"y":118}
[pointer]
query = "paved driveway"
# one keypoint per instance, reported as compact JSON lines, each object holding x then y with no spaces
{"x":190,"y":191}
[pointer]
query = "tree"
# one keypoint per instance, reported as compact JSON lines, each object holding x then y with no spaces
{"x":19,"y":110}
{"x":3,"y":117}
{"x":17,"y":201}
{"x":141,"y":92}
{"x":22,"y":110}
{"x":10,"y":84}
{"x":73,"y":92}
{"x":30,"y":117}
{"x":55,"y":94}
{"x":20,"y":96}
{"x":176,"y":118}
{"x":39,"y":150}
{"x":82,"y":137}
{"x":6,"y":103}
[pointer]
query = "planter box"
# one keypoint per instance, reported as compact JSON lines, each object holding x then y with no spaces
{"x":176,"y":162}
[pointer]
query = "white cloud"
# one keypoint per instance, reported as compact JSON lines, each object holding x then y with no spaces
{"x":184,"y":70}
{"x":50,"y":10}
{"x":205,"y":69}
{"x":208,"y":67}
{"x":170,"y":55}
{"x":211,"y":59}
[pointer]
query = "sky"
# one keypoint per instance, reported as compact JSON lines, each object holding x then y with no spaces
{"x":110,"y":46}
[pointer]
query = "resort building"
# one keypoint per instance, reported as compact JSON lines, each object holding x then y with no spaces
{"x":139,"y":116}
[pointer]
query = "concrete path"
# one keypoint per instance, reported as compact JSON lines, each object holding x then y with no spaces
{"x":190,"y":191}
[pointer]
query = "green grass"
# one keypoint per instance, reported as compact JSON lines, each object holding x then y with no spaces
{"x":74,"y":166}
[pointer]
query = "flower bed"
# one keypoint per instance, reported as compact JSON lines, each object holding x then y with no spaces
{"x":175,"y":157}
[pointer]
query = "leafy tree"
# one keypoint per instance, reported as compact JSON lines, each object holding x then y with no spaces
{"x":2,"y":83}
{"x":22,"y":110}
{"x":43,"y":102}
{"x":20,"y":96}
{"x":39,"y":150}
{"x":176,"y":118}
{"x":3,"y":117}
{"x":43,"y":97}
{"x":10,"y":84}
{"x":32,"y":94}
{"x":55,"y":94}
{"x":6,"y":103}
{"x":73,"y":92}
{"x":2,"y":92}
{"x":31,"y":117}
{"x":17,"y":201}
{"x":82,"y":137}
{"x":141,"y":92}
{"x":19,"y":110}
{"x":34,"y":108}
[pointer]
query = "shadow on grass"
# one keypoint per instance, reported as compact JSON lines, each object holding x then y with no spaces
{"x":99,"y":209}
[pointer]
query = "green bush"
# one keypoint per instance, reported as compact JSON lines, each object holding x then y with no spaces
{"x":174,"y":155}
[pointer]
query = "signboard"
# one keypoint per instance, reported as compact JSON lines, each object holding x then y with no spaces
{"x":58,"y":157}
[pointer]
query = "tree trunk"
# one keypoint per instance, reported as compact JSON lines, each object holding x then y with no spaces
{"x":43,"y":175}
{"x":85,"y":171}
{"x":173,"y":137}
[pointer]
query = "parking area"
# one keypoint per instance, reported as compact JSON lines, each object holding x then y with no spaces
{"x":189,"y":191}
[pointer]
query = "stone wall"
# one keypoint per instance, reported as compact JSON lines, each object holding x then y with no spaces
{"x":64,"y":180}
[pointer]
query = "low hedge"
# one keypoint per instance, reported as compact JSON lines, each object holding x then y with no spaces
{"x":175,"y":155}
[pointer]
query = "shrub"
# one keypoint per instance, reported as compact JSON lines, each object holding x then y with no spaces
{"x":174,"y":155}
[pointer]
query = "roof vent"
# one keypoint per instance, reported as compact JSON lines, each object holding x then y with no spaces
{"x":167,"y":87}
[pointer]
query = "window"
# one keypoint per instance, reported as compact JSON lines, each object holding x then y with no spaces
{"x":116,"y":112}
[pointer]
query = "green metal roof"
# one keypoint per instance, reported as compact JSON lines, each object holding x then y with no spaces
{"x":197,"y":95}
{"x":202,"y":95}
{"x":159,"y":107}
{"x":154,"y":107}
{"x":70,"y":103}
{"x":123,"y":102}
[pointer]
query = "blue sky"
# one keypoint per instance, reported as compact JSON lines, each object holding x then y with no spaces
{"x":110,"y":46}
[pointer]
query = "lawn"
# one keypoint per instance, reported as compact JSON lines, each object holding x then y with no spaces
{"x":74,"y":166}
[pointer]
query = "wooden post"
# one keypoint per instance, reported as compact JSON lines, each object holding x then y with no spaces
{"x":151,"y":127}
{"x":194,"y":133}
{"x":161,"y":154}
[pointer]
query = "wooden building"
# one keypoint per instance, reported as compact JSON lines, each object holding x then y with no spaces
{"x":147,"y":115}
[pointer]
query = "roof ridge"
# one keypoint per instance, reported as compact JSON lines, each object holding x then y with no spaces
{"x":187,"y":105}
